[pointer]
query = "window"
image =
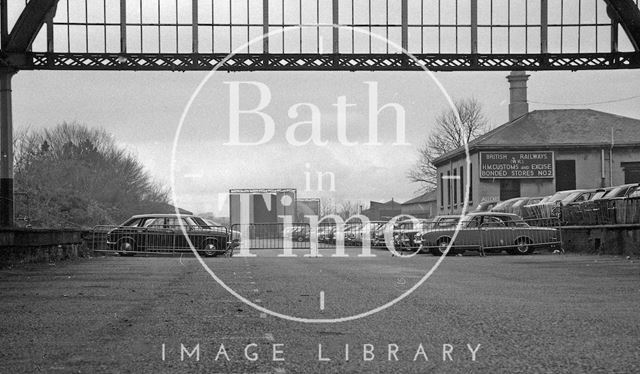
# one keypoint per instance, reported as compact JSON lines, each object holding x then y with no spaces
{"x":475,"y":222}
{"x":461,"y":184}
{"x":448,"y":187}
{"x":455,"y":186}
{"x":441,"y":182}
{"x":470,"y":183}
{"x":172,"y":222}
{"x":133,"y":223}
{"x":490,"y":221}
{"x":565,"y":175}
{"x":631,"y":172}
{"x":154,"y":222}
{"x":509,"y":189}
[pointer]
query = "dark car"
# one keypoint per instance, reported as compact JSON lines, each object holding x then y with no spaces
{"x":490,"y":232}
{"x":164,"y":233}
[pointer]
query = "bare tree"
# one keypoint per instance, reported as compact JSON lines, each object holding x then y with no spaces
{"x":76,"y":175}
{"x":449,"y":133}
{"x":344,"y":208}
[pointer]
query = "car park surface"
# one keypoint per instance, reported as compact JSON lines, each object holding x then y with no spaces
{"x":535,"y":314}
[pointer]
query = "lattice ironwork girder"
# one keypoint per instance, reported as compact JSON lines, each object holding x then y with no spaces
{"x":329,"y":62}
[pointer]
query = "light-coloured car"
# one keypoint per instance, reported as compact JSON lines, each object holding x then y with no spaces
{"x":489,"y":232}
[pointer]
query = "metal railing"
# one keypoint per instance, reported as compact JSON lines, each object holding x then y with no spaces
{"x":597,"y":212}
{"x":271,"y":235}
{"x":166,"y":239}
{"x":523,"y":236}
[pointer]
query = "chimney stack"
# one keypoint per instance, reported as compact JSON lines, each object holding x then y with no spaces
{"x":518,"y":105}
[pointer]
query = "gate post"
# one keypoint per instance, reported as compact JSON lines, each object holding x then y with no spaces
{"x":6,"y":150}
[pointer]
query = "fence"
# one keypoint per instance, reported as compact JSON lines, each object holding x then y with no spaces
{"x":168,"y":239}
{"x":596,"y":212}
{"x":271,"y":235}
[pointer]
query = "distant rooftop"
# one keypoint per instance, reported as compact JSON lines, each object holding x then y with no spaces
{"x":561,"y":128}
{"x":424,"y":198}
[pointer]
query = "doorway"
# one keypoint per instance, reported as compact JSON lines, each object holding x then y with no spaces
{"x":509,"y":188}
{"x":565,"y":175}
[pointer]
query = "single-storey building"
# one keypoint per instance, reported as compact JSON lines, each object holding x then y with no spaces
{"x":382,"y":211}
{"x":423,"y":206}
{"x":538,"y":153}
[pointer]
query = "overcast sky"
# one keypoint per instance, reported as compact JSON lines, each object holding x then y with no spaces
{"x":142,"y":110}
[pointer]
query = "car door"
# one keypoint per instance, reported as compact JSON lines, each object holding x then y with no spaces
{"x":179,"y":236}
{"x":158,"y":234}
{"x":495,"y":232}
{"x":469,"y":233}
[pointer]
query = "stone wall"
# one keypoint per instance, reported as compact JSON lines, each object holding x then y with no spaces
{"x":607,"y":239}
{"x":20,"y":246}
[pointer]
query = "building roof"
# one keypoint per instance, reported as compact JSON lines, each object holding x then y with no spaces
{"x":391,"y":203}
{"x":559,"y":128}
{"x":424,"y":198}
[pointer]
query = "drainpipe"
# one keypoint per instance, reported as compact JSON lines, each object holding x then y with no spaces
{"x":602,"y":174}
{"x":611,"y":160}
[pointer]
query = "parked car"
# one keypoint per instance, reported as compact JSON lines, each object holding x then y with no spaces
{"x":404,"y":236}
{"x":515,"y":205}
{"x":234,"y":235}
{"x":548,"y":206}
{"x":602,"y":208}
{"x":163,"y":232}
{"x":378,"y":239}
{"x":358,"y":233}
{"x":621,"y":191}
{"x":298,"y":233}
{"x":491,"y":232}
{"x":600,"y":192}
{"x":326,"y":233}
{"x":505,"y":206}
{"x":439,"y":222}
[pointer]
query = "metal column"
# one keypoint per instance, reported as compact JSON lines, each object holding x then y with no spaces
{"x":6,"y":150}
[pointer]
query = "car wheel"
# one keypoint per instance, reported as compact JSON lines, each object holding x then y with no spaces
{"x":210,"y":249}
{"x":523,"y":246}
{"x":126,"y":247}
{"x":442,"y":247}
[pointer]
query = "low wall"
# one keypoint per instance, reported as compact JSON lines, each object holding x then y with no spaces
{"x":19,"y":246}
{"x":605,"y":239}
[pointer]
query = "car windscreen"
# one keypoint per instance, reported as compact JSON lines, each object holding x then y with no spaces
{"x":561,"y":195}
{"x":505,"y":204}
{"x":600,"y":194}
{"x":133,"y":222}
{"x":154,"y":222}
{"x":447,"y":222}
{"x":576,"y":197}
